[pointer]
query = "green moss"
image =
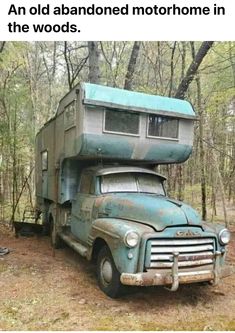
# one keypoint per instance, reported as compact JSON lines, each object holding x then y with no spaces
{"x":230,"y":326}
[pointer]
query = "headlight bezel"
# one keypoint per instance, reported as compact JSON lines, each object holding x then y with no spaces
{"x":222,"y":242}
{"x":127,"y":240}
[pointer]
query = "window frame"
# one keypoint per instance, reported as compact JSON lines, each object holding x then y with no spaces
{"x":120,"y":133}
{"x":72,"y":103}
{"x":135,"y":176}
{"x":162,"y":137}
{"x":44,"y":168}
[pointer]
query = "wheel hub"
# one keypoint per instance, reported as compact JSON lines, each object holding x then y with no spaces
{"x":106,"y":271}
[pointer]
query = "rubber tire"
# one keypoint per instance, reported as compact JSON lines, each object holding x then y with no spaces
{"x":46,"y":224}
{"x":114,"y":288}
{"x":56,"y":241}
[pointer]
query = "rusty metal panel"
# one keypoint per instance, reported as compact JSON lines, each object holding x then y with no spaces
{"x":183,"y":263}
{"x":153,"y":278}
{"x":195,"y":248}
{"x":182,"y":241}
{"x":59,"y":134}
{"x":188,"y":256}
{"x":45,"y":178}
{"x":69,"y":142}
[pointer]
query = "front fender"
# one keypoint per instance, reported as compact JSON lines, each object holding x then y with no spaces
{"x":113,"y":231}
{"x":216,"y":228}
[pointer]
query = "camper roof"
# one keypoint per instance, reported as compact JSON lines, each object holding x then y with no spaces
{"x":94,"y":94}
{"x":107,"y":170}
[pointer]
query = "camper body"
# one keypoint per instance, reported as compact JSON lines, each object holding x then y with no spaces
{"x":98,"y":191}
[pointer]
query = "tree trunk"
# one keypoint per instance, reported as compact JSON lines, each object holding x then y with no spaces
{"x":201,"y":143}
{"x":220,"y":179}
{"x":94,"y":69}
{"x":2,"y":44}
{"x":132,"y":66}
{"x":202,"y":152}
{"x":192,"y":70}
{"x":172,"y":69}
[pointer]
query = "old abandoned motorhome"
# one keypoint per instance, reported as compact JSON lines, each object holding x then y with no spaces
{"x":97,"y":190}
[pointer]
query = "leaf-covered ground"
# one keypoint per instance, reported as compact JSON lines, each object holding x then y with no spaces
{"x":42,"y":290}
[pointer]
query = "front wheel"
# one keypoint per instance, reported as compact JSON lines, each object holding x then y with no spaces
{"x":107,"y":274}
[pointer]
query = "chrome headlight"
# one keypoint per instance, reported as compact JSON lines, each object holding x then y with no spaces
{"x":224,"y":236}
{"x":131,"y":238}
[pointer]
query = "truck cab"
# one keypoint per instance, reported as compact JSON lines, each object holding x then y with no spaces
{"x":124,"y":220}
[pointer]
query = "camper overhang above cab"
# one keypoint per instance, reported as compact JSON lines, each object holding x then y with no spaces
{"x":95,"y":122}
{"x":126,"y":125}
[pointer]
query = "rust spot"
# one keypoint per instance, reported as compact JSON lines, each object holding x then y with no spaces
{"x":98,"y":201}
{"x":161,"y":212}
{"x":152,"y":278}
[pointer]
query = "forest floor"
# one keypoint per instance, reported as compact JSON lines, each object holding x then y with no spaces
{"x":42,"y":290}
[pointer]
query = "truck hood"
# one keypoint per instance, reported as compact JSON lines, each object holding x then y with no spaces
{"x":158,"y":212}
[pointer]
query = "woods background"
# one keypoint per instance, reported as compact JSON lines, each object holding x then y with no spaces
{"x":35,"y":76}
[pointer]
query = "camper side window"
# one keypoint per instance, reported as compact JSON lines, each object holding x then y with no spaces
{"x":44,"y":160}
{"x":163,"y":127}
{"x":69,"y":115}
{"x":122,"y":122}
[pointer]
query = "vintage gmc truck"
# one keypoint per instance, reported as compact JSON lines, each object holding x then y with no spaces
{"x":97,"y":189}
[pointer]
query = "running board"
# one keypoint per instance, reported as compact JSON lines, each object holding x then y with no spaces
{"x":74,"y":244}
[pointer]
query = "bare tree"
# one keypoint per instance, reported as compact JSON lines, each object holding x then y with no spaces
{"x":114,"y":55}
{"x":193,"y":68}
{"x":132,"y":66}
{"x":201,"y":143}
{"x":2,"y":44}
{"x":73,"y":67}
{"x":172,"y":69}
{"x":94,"y":69}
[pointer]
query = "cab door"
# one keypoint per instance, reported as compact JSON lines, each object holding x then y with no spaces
{"x":82,"y":207}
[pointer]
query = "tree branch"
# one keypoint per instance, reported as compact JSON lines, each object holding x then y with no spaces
{"x":192,"y":70}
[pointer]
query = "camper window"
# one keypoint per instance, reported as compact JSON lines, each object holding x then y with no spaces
{"x":69,"y":115}
{"x":44,"y":160}
{"x":163,"y":127}
{"x":122,"y":122}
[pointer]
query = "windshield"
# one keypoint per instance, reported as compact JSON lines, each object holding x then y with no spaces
{"x":132,"y":182}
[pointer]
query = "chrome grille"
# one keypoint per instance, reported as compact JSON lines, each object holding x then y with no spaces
{"x":192,"y":252}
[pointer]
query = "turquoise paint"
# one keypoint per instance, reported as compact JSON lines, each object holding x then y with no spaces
{"x":136,"y":99}
{"x":118,"y":248}
{"x":192,"y":215}
{"x":215,"y":228}
{"x":150,"y":215}
{"x":122,"y":147}
{"x":105,"y":145}
{"x":141,"y":253}
{"x":155,"y":211}
{"x":168,"y":152}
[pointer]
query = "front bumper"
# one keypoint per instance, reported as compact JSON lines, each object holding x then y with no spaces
{"x":175,"y":277}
